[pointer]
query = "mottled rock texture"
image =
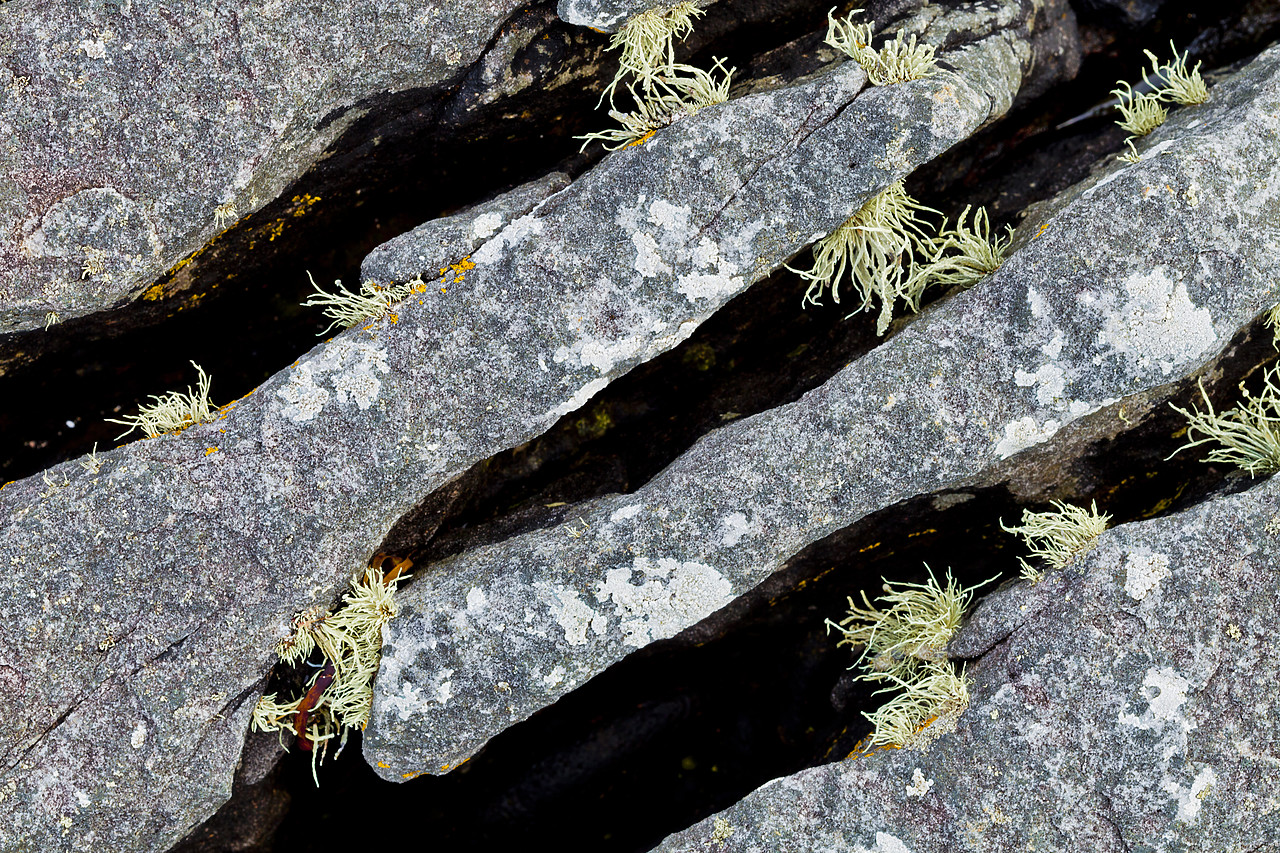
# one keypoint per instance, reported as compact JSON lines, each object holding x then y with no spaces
{"x":1125,"y":703}
{"x":608,"y":15}
{"x":1115,"y":292}
{"x":429,"y":249}
{"x":141,"y":132}
{"x":145,"y":597}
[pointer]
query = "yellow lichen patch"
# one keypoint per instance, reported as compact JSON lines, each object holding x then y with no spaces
{"x":302,"y":203}
{"x":641,"y":141}
{"x":154,"y":293}
{"x":211,"y":451}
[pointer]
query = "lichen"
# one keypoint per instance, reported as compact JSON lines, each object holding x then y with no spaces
{"x":1174,"y":82}
{"x":647,"y":42}
{"x":904,"y":645}
{"x":1248,"y":435}
{"x":373,"y":302}
{"x":675,"y":92}
{"x":1059,"y":536}
{"x":172,"y":411}
{"x":901,"y":59}
{"x":965,"y":255}
{"x":1140,"y":113}
{"x":350,"y":640}
{"x":877,"y":245}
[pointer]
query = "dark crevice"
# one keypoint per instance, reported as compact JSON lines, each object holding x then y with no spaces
{"x":688,"y":726}
{"x":760,"y":351}
{"x":1029,"y":156}
{"x":414,"y":156}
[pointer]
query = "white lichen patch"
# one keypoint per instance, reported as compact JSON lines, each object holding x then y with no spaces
{"x":570,"y":612}
{"x":885,"y":843}
{"x":353,"y":369}
{"x":709,"y":285}
{"x":1158,"y":326}
{"x":554,"y":678}
{"x":626,"y":513}
{"x":1023,"y":433}
{"x":1143,"y":572}
{"x":715,"y":276}
{"x":139,"y":735}
{"x":670,"y":217}
{"x":476,"y":600}
{"x":510,"y":237}
{"x":1050,"y":382}
{"x":1166,"y":692}
{"x":919,"y":785}
{"x":670,"y":597}
{"x":1190,"y":799}
{"x":649,"y":261}
{"x":577,"y":401}
{"x":736,"y":526}
{"x":485,"y":225}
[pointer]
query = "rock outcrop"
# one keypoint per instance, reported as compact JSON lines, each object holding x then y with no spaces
{"x":1121,"y":704}
{"x":1085,"y":327}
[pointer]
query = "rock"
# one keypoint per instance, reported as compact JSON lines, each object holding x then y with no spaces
{"x":1129,"y":13}
{"x":452,"y":238}
{"x":147,"y":591}
{"x":96,"y":204}
{"x":1128,"y":709}
{"x":609,"y":15}
{"x":1116,"y":291}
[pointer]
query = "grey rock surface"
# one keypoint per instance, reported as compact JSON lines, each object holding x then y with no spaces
{"x":1126,"y":705}
{"x":1121,"y":287}
{"x":135,"y":134}
{"x":145,"y":596}
{"x":608,"y":15}
{"x":431,"y":247}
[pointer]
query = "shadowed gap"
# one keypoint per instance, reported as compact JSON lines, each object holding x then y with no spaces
{"x":687,"y":726}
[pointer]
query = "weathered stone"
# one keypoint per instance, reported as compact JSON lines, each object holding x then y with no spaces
{"x":1116,"y":291}
{"x":129,"y":682}
{"x":421,"y":252}
{"x":608,"y":15}
{"x":1127,"y":704}
{"x":139,"y":133}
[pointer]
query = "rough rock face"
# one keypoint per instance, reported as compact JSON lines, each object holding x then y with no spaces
{"x":608,"y":15}
{"x":1125,"y":703}
{"x":146,"y":131}
{"x":128,"y":682}
{"x":1119,"y":289}
{"x":418,"y":252}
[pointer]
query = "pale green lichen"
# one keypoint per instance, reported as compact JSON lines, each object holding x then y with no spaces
{"x":913,"y":624}
{"x":351,"y":640}
{"x":1248,"y":434}
{"x":899,"y":60}
{"x":904,"y":642}
{"x":1140,"y":113}
{"x":1173,"y":82}
{"x":678,"y":92}
{"x":1059,"y":536}
{"x":172,"y":411}
{"x":929,"y":705}
{"x":647,"y":42}
{"x":963,"y":255}
{"x":877,"y":245}
{"x":373,"y":302}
